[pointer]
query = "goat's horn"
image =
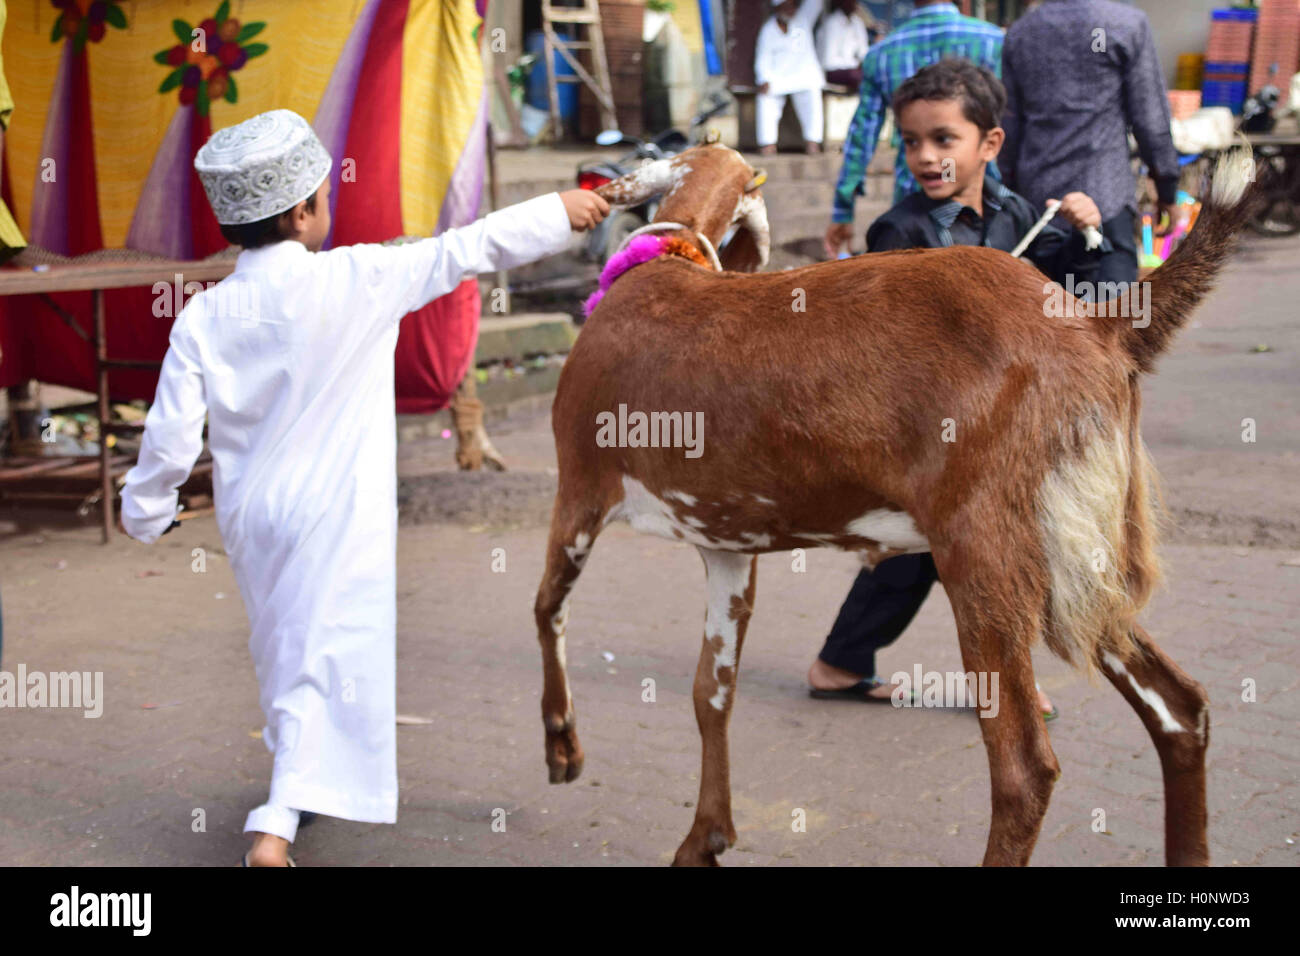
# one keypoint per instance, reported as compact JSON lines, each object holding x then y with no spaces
{"x":760,"y":177}
{"x":649,"y":179}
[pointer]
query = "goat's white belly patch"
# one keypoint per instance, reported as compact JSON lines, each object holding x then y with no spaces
{"x":652,"y":515}
{"x":892,"y":529}
{"x":880,"y":528}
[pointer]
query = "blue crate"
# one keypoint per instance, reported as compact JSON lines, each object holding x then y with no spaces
{"x":1231,"y":94}
{"x":1233,"y":69}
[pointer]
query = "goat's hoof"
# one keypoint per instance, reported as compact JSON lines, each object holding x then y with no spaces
{"x":702,"y":848}
{"x":563,"y":756}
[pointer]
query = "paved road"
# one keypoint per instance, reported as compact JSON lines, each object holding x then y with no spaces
{"x":878,"y":786}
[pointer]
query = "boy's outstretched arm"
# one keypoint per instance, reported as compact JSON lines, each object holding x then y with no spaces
{"x":407,"y":277}
{"x":173,"y":438}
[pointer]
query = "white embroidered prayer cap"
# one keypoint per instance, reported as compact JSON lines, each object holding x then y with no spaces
{"x":261,"y":167}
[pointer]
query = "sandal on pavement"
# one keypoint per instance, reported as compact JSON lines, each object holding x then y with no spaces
{"x":861,"y":692}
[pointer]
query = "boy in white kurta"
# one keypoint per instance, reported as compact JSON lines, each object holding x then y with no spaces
{"x":290,"y":359}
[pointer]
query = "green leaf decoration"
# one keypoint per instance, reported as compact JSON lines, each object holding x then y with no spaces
{"x":256,"y":49}
{"x":115,"y":17}
{"x":161,"y":57}
{"x":223,"y":12}
{"x":184,"y":32}
{"x":57,"y":33}
{"x":232,"y":94}
{"x":173,"y":79}
{"x":83,"y":30}
{"x":201,"y":101}
{"x":250,"y":30}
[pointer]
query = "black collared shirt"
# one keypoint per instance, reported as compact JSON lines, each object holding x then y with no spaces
{"x":921,"y":222}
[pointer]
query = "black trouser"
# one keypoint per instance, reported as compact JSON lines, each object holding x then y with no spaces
{"x":879,"y":607}
{"x":1121,"y":265}
{"x":851,"y":78}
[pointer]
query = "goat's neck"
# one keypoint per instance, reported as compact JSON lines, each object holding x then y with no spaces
{"x":696,"y":226}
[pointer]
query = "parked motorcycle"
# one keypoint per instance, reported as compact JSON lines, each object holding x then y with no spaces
{"x":609,"y":236}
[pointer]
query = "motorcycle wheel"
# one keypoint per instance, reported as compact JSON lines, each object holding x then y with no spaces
{"x":1280,"y":216}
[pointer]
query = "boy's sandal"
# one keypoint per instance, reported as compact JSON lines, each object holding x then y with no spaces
{"x":243,"y":860}
{"x":1051,"y":714}
{"x":861,"y":692}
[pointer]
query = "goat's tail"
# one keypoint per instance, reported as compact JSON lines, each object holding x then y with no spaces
{"x":1177,"y":287}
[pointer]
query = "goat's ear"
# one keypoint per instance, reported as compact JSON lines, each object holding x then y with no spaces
{"x":741,"y":253}
{"x":749,"y":248}
{"x":649,"y":179}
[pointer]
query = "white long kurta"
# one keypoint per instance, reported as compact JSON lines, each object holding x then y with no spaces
{"x":787,"y":61}
{"x":291,"y":360}
{"x":842,"y":41}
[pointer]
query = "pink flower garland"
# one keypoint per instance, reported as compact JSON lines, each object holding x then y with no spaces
{"x":639,"y":250}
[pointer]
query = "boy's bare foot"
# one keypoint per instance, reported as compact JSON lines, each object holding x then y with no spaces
{"x":268,"y":850}
{"x":811,"y":148}
{"x":769,"y":150}
{"x":823,"y":676}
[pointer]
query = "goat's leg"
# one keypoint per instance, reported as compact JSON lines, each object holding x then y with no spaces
{"x":731,"y":579}
{"x":571,"y":538}
{"x":1176,"y":712}
{"x":1022,"y":766}
{"x":473,"y":447}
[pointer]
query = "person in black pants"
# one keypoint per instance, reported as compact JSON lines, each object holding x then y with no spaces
{"x":878,"y":609}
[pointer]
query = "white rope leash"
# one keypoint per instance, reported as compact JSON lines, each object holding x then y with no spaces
{"x":1091,"y":236}
{"x":1038,"y":227}
{"x":664,"y":227}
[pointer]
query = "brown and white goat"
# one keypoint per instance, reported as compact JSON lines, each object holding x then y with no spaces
{"x":825,"y":428}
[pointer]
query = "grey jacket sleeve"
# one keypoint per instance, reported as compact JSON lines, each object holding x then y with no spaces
{"x":1013,"y":121}
{"x":1146,"y":105}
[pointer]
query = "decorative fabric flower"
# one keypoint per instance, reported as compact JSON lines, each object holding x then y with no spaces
{"x":79,"y":21}
{"x":206,"y":56}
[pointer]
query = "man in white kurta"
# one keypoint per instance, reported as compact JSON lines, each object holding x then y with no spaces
{"x":842,"y":42}
{"x":785,"y":64}
{"x":290,"y":359}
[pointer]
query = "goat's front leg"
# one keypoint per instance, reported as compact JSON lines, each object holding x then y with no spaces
{"x":572,"y":533}
{"x":731,"y":601}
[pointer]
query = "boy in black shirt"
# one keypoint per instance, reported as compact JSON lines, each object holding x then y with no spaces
{"x":948,"y":120}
